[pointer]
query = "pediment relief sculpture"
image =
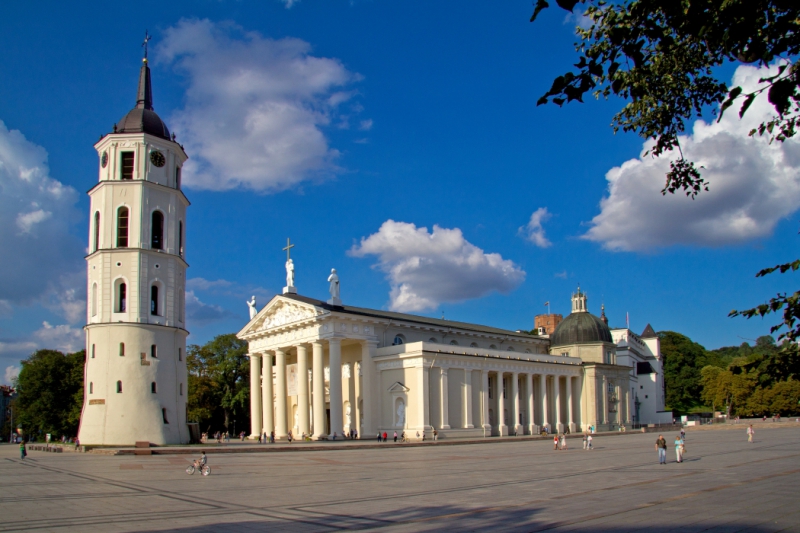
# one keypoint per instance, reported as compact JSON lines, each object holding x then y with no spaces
{"x":286,"y":314}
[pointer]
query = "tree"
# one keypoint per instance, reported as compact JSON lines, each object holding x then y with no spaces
{"x":219,"y":387}
{"x":50,"y":393}
{"x":661,"y":58}
{"x":683,"y":361}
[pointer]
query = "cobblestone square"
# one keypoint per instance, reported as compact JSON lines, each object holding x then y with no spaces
{"x":725,"y":484}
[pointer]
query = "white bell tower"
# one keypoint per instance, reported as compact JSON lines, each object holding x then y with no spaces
{"x":135,"y":375}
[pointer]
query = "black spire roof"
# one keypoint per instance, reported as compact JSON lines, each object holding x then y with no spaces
{"x":142,"y":118}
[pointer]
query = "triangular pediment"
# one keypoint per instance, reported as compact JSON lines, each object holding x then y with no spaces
{"x":398,"y":387}
{"x":280,"y":312}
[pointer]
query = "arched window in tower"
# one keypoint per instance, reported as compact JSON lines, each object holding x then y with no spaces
{"x":154,"y":300}
{"x":93,"y":351}
{"x":94,"y":299}
{"x":126,"y":165}
{"x":180,"y":238}
{"x":122,"y":349}
{"x":96,"y":243}
{"x":122,"y":227}
{"x":119,"y":387}
{"x":178,"y":178}
{"x":164,"y":415}
{"x":122,"y":298}
{"x":153,"y":351}
{"x":153,"y":387}
{"x":157,"y":231}
{"x":180,"y":389}
{"x":91,"y":388}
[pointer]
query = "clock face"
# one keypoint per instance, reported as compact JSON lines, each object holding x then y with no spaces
{"x":104,"y":159}
{"x":157,"y":158}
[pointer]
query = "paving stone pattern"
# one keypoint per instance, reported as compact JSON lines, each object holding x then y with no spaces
{"x":724,"y":485}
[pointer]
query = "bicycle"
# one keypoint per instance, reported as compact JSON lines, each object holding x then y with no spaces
{"x":204,"y":469}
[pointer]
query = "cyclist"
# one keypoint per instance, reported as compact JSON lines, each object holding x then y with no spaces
{"x":200,"y":463}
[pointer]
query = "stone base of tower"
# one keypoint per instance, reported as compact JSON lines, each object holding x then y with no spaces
{"x":129,"y":395}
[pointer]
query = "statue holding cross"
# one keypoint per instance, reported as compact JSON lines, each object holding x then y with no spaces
{"x":290,"y":288}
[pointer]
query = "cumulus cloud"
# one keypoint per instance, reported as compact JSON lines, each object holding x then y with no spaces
{"x":533,"y":230}
{"x":40,"y":260}
{"x":63,"y":337}
{"x":201,"y":313}
{"x":203,"y":284}
{"x":255,"y":107}
{"x":753,"y":185}
{"x":426,"y":268}
{"x":11,"y":375}
{"x":365,"y":125}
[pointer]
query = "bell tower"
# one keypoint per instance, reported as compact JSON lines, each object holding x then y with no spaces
{"x":135,"y":384}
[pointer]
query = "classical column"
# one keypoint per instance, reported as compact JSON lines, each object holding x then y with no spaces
{"x":515,"y":395}
{"x":557,"y":394}
{"x":529,"y":390}
{"x":255,"y":395}
{"x":267,"y":394}
{"x":351,"y":397}
{"x":423,"y":413}
{"x":467,"y":403}
{"x":485,"y":402}
{"x":570,"y":412}
{"x":302,"y":390}
{"x":370,"y":396}
{"x":335,"y":364}
{"x":318,"y":386}
{"x":502,"y":428}
{"x":280,"y":393}
{"x":357,"y":389}
{"x":443,"y":397}
{"x":545,"y":407}
{"x":604,"y":402}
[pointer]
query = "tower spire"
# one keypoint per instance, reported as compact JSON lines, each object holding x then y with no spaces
{"x":144,"y":95}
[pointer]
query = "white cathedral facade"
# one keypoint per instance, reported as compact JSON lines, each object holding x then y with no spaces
{"x":319,"y":368}
{"x":135,"y":379}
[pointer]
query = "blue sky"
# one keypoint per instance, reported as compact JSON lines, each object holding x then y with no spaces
{"x":400,"y":144}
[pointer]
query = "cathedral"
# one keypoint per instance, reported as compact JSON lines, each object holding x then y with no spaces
{"x":318,"y":368}
{"x":373,"y":371}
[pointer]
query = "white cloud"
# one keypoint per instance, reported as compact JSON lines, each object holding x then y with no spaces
{"x":365,"y":125}
{"x":753,"y":185}
{"x":11,"y":374}
{"x":17,"y":348}
{"x":255,"y":107}
{"x":200,"y":313}
{"x":40,"y":260}
{"x":288,"y":3}
{"x":533,"y":231}
{"x":425,"y":269}
{"x":63,"y":338}
{"x":203,"y":284}
{"x":561,"y":275}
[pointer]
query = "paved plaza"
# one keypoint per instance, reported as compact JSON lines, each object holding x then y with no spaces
{"x":725,"y":484}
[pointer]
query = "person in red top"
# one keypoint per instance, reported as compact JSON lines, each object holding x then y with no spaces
{"x":555,"y":441}
{"x":385,"y":436}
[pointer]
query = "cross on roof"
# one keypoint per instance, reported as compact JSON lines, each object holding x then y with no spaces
{"x":147,"y":38}
{"x":288,"y":248}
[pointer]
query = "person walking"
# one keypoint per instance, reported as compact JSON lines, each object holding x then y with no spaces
{"x":395,"y":436}
{"x":683,"y":435}
{"x":679,"y":449}
{"x":435,"y":435}
{"x":564,"y":441}
{"x":22,"y":452}
{"x":584,"y":441}
{"x":589,"y":441}
{"x":385,"y":436}
{"x":751,"y":433}
{"x":555,"y":442}
{"x":661,"y":448}
{"x":379,"y":436}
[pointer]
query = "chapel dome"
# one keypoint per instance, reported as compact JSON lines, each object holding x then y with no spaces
{"x":580,"y":328}
{"x":142,"y":118}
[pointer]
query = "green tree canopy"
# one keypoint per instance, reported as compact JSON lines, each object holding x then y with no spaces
{"x":219,"y":383}
{"x":683,"y":361}
{"x":50,"y":393}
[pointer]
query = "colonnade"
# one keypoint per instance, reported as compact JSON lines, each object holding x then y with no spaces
{"x":264,"y":401}
{"x":532,"y":401}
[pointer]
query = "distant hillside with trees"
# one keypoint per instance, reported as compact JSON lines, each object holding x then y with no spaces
{"x":744,"y":380}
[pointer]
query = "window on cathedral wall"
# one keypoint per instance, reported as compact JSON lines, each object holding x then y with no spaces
{"x":119,"y":387}
{"x":122,"y":297}
{"x":96,"y":243}
{"x":122,"y":227}
{"x":157,"y":231}
{"x":153,"y":387}
{"x":154,"y":310}
{"x":126,"y":165}
{"x":122,"y":349}
{"x":153,"y":351}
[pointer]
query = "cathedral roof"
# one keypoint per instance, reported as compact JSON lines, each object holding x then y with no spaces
{"x":142,"y":118}
{"x":580,"y":327}
{"x":648,"y":332}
